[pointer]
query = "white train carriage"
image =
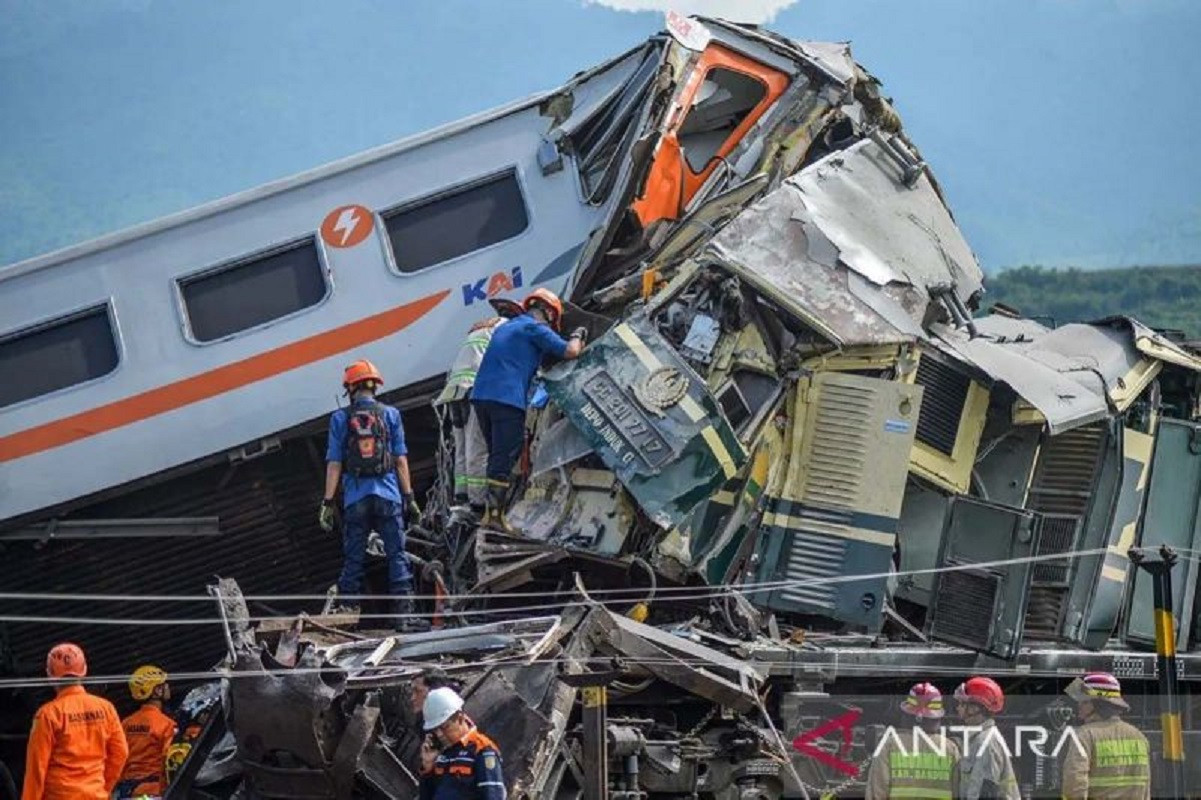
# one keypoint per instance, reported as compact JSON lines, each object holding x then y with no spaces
{"x":214,"y":328}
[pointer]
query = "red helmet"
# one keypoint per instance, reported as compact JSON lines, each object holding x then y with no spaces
{"x":983,"y":691}
{"x":1098,"y":686}
{"x":924,"y":701}
{"x":547,"y":300}
{"x":66,"y":661}
{"x":359,"y":372}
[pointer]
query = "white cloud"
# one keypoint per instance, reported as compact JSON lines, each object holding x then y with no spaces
{"x":756,"y":11}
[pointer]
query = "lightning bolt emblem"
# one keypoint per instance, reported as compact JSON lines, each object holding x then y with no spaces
{"x":348,"y":220}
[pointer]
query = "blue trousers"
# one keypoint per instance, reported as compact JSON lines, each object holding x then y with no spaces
{"x":504,"y":431}
{"x":374,"y":513}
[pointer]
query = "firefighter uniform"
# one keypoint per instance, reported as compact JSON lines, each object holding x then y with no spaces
{"x":76,"y":748}
{"x":470,"y":769}
{"x":471,"y":450}
{"x":915,"y":766}
{"x":1115,"y":762}
{"x":149,"y":733}
{"x":985,"y":770}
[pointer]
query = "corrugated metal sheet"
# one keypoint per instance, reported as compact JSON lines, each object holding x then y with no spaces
{"x":269,"y":542}
{"x":812,"y":556}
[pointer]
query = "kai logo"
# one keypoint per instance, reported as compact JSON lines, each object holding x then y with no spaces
{"x":492,"y":285}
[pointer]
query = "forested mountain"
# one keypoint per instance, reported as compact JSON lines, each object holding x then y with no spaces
{"x":1163,"y":297}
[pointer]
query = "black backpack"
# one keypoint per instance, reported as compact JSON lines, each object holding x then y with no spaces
{"x":367,"y":441}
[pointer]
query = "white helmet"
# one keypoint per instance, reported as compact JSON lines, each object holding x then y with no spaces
{"x":440,"y":705}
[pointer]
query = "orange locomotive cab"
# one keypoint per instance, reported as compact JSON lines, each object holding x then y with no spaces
{"x":724,"y":97}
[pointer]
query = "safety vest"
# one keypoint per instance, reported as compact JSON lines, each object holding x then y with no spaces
{"x":909,"y":767}
{"x":1115,"y":764}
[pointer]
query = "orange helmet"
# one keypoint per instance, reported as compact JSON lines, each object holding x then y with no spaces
{"x":548,"y":300}
{"x":359,"y":372}
{"x":66,"y":661}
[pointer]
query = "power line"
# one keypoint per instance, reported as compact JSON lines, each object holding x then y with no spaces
{"x":685,"y":592}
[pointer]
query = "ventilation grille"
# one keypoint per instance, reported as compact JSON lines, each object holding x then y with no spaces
{"x":965,"y":607}
{"x":839,"y":443}
{"x":1067,"y":467}
{"x":1058,"y":536}
{"x":813,"y":556}
{"x":1044,"y":612}
{"x":942,"y":404}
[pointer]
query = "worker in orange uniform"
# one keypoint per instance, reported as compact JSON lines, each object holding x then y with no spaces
{"x":149,"y":732}
{"x":76,"y":746}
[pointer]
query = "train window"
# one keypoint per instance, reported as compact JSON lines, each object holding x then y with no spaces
{"x":452,"y":224}
{"x":58,"y":354}
{"x":721,"y":104}
{"x":235,"y":297}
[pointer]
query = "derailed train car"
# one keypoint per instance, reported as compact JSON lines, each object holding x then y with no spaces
{"x":801,"y":458}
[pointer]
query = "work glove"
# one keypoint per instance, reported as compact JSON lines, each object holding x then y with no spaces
{"x":325,"y":517}
{"x":412,"y":511}
{"x":580,"y":333}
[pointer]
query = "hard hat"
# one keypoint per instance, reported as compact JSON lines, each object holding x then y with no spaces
{"x":983,"y":691}
{"x":66,"y":661}
{"x":359,"y":371}
{"x":548,"y":300}
{"x":145,"y":680}
{"x":505,"y":307}
{"x":440,"y":705}
{"x":924,"y":701}
{"x":1097,"y":686}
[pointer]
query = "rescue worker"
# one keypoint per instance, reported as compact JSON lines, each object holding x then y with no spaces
{"x":366,"y":453}
{"x":1114,"y":760}
{"x":149,"y":733}
{"x":985,"y":770}
{"x":76,"y":747}
{"x":467,"y":767}
{"x":471,"y":451}
{"x":913,"y":765}
{"x":502,"y":387}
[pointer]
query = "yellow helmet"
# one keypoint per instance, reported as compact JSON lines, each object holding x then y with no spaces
{"x":145,"y":680}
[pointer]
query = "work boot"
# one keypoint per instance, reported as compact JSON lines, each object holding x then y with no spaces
{"x":405,"y":609}
{"x":494,"y":510}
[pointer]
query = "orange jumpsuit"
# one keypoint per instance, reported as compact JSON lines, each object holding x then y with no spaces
{"x":149,"y":732}
{"x":76,"y":748}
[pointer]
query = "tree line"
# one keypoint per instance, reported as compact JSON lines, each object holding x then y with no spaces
{"x":1162,"y":297}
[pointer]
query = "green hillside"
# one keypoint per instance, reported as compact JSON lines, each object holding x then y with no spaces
{"x":1163,"y":297}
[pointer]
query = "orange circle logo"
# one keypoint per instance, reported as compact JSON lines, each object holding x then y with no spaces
{"x":347,"y":226}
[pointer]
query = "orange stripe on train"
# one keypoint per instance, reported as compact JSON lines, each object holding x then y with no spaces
{"x":214,"y":382}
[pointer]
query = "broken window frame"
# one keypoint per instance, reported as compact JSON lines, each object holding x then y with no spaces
{"x":510,"y":175}
{"x":182,"y":285}
{"x":747,"y":80}
{"x":600,"y":142}
{"x":103,"y":311}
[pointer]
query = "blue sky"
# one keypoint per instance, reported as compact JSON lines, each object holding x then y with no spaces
{"x":1062,"y":130}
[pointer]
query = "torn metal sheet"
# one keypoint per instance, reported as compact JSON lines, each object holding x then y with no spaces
{"x":1068,"y":398}
{"x":850,"y":249}
{"x":883,"y":231}
{"x":1154,"y":344}
{"x":650,"y":418}
{"x":834,"y":58}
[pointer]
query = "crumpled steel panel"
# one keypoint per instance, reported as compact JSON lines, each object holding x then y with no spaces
{"x":1067,"y":373}
{"x":1068,"y":400}
{"x":852,"y":251}
{"x":669,"y":458}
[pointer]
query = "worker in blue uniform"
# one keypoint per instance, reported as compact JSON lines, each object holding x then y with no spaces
{"x":467,"y":766}
{"x":367,"y":457}
{"x":502,"y":388}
